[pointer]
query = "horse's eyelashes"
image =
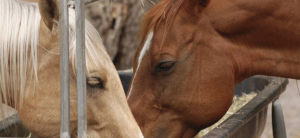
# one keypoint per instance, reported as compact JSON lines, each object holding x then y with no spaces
{"x":203,"y":2}
{"x":95,"y":82}
{"x":165,"y":66}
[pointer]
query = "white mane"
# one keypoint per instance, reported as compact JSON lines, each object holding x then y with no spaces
{"x":19,"y":28}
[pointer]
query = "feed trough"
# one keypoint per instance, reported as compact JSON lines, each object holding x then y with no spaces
{"x":247,"y":122}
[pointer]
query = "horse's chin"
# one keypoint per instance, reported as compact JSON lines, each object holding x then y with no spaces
{"x":168,"y":127}
{"x":176,"y":131}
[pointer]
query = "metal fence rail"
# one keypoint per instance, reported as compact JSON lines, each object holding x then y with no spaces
{"x":80,"y":67}
{"x":64,"y":69}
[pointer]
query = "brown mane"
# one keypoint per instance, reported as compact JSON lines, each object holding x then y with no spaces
{"x":156,"y":14}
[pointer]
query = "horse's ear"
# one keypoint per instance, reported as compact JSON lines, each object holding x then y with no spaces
{"x":49,"y":10}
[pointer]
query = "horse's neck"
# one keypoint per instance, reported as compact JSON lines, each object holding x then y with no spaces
{"x":281,"y":62}
{"x":265,"y":37}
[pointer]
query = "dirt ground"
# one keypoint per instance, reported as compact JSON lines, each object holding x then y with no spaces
{"x":290,"y":101}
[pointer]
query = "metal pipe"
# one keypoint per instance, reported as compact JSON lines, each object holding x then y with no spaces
{"x":64,"y":69}
{"x":81,"y":70}
{"x":86,"y":2}
{"x":278,"y":120}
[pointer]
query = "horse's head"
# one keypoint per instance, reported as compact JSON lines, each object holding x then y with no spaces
{"x":107,"y":109}
{"x":181,"y":81}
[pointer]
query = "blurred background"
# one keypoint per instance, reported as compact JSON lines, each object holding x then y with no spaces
{"x":118,"y":23}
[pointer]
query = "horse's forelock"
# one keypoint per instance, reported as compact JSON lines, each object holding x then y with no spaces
{"x":95,"y":51}
{"x":164,"y":10}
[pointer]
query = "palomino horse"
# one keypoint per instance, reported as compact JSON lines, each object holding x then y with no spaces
{"x":29,"y":74}
{"x":193,"y":52}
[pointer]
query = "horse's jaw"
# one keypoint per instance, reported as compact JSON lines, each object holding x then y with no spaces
{"x":166,"y":126}
{"x":158,"y":122}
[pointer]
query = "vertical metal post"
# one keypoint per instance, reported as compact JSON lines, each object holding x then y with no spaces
{"x":81,"y":70}
{"x":64,"y":69}
{"x":278,"y":120}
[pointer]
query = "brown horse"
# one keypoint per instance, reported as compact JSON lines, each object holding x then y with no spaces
{"x":193,"y":52}
{"x":30,"y":77}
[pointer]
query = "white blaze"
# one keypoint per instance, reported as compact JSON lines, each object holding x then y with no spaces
{"x":141,"y":134}
{"x":142,"y":53}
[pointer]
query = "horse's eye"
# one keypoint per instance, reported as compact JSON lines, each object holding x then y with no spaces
{"x":165,"y":66}
{"x":95,"y":82}
{"x":203,"y":2}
